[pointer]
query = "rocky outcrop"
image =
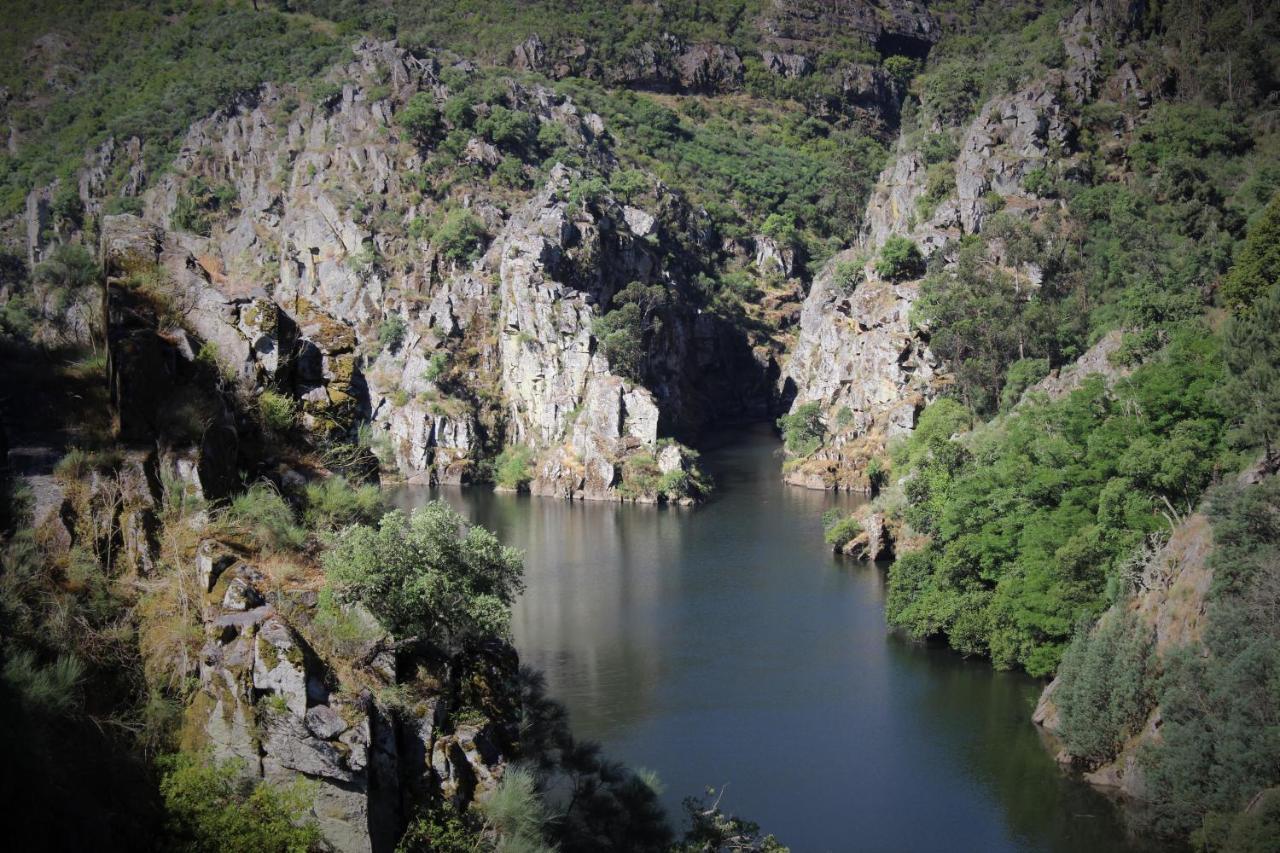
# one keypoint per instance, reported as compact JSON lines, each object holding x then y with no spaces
{"x":858,"y":356}
{"x":859,"y":359}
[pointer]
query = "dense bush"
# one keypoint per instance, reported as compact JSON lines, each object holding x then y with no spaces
{"x":264,"y":517}
{"x":1221,"y":710}
{"x":421,"y":119}
{"x":1106,"y":685}
{"x":211,"y":807}
{"x":1030,"y":517}
{"x":1257,"y":262}
{"x":1251,"y":393}
{"x":428,"y":575}
{"x":900,"y":258}
{"x":513,"y":469}
{"x":803,"y":429}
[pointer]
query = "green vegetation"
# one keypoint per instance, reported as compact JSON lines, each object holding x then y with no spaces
{"x":1031,"y":517}
{"x":199,"y":205}
{"x":460,"y":237}
{"x":334,"y":502}
{"x":803,"y":429}
{"x":513,"y":469}
{"x":391,"y":332}
{"x":278,"y":412}
{"x":428,"y":575}
{"x":1220,"y":703}
{"x":839,"y":529}
{"x":625,"y":330}
{"x":1106,"y":685}
{"x":899,"y":259}
{"x":211,"y":808}
{"x":263,"y":517}
{"x":1257,"y":262}
{"x":421,"y":119}
{"x":1252,"y":354}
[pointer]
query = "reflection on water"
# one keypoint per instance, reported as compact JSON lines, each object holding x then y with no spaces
{"x":725,"y":644}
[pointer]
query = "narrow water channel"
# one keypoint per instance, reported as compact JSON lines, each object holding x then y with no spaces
{"x":726,"y":646}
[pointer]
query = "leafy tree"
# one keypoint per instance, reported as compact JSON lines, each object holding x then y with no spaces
{"x":1257,"y":265}
{"x":899,"y":259}
{"x":421,"y":119}
{"x":803,"y":429}
{"x":1252,"y":389}
{"x":624,"y":331}
{"x":428,"y":575}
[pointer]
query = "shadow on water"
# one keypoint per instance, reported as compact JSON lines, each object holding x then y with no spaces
{"x":725,"y":644}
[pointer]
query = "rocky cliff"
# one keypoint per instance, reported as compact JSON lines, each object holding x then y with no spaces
{"x":859,"y":356}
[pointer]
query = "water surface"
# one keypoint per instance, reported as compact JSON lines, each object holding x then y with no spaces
{"x":726,"y":645}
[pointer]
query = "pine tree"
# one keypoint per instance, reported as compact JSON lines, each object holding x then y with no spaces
{"x":1252,"y":389}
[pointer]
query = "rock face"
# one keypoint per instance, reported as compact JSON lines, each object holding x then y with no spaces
{"x":298,"y":281}
{"x":858,"y":356}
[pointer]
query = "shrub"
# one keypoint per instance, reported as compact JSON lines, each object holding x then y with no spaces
{"x":841,"y":531}
{"x":391,"y":332}
{"x":847,"y":275}
{"x":513,"y":468}
{"x":277,"y":412}
{"x":900,"y":259}
{"x":516,"y":812}
{"x":263,"y":516}
{"x":461,"y":236}
{"x":803,"y":429}
{"x":421,"y":119}
{"x":428,"y":575}
{"x":210,"y":807}
{"x":334,"y":502}
{"x":436,"y":366}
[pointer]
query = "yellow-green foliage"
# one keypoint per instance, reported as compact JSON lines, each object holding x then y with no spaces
{"x":211,"y":807}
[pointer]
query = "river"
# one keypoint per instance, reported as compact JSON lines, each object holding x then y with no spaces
{"x":726,"y":646}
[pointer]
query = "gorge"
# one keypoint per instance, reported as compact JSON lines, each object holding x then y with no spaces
{"x":1001,"y":276}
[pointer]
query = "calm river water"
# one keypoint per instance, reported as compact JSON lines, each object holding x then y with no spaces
{"x":726,"y":645}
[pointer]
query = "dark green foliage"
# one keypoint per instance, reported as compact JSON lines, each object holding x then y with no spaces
{"x":1030,"y":518}
{"x":899,"y":259}
{"x":1256,"y":268}
{"x":460,"y":237}
{"x":211,"y":807}
{"x":1106,"y":685}
{"x":839,"y":530}
{"x":1251,"y":393}
{"x":264,"y":518}
{"x":428,"y":575}
{"x":712,"y":831}
{"x":803,"y":429}
{"x":1218,"y":747}
{"x":512,"y":130}
{"x":625,"y":330}
{"x":421,"y":119}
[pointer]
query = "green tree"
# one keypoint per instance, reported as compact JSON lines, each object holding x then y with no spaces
{"x":428,"y":575}
{"x":421,"y":119}
{"x":1257,"y":264}
{"x":625,"y":330}
{"x":803,"y":429}
{"x":900,"y":259}
{"x":1252,"y":389}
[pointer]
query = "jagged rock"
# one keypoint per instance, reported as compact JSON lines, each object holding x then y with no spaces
{"x":325,"y":723}
{"x":279,"y":666}
{"x":874,"y":541}
{"x":773,"y":257}
{"x":859,"y":354}
{"x":709,"y":68}
{"x":791,"y":65}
